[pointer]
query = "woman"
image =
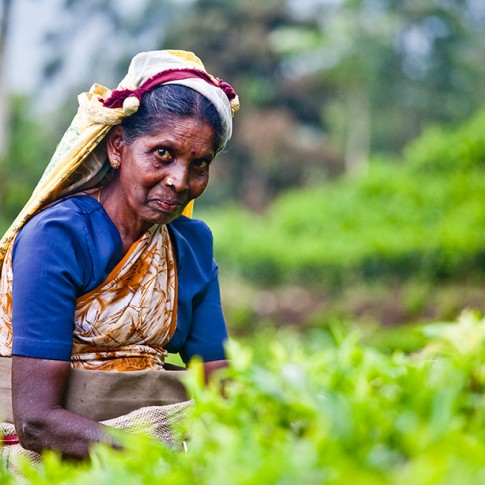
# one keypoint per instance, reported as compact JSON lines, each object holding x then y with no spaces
{"x":101,"y":271}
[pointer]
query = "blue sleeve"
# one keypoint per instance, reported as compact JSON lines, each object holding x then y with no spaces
{"x":62,"y":253}
{"x":208,"y":331}
{"x":50,"y":263}
{"x":201,"y":328}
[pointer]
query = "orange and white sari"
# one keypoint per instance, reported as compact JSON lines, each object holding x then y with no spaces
{"x":125,"y":322}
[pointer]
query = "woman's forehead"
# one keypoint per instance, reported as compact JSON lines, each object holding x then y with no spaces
{"x":190,"y":133}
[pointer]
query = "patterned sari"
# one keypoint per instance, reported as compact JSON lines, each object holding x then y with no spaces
{"x":124,"y":323}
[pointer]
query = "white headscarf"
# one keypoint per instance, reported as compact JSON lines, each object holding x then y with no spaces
{"x":150,"y":69}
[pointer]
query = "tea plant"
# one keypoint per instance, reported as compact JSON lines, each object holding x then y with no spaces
{"x":325,"y":409}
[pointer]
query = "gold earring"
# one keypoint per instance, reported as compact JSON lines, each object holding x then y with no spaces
{"x":115,"y":164}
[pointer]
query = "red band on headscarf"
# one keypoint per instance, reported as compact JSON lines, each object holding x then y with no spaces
{"x":9,"y":440}
{"x":119,"y":95}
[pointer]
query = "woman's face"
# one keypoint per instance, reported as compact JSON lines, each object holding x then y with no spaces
{"x":161,"y":173}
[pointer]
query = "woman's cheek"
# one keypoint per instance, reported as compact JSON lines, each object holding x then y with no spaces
{"x":200,"y":187}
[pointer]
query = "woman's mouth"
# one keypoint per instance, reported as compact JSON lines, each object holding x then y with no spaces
{"x":168,"y":206}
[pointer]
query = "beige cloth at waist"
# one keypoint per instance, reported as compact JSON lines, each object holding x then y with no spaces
{"x":102,"y":395}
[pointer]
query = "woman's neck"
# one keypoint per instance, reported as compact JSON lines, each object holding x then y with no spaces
{"x":129,"y":227}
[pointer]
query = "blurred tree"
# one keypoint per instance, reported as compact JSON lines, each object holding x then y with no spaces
{"x":24,"y":162}
{"x":110,"y":33}
{"x":394,"y":65}
{"x":5,"y":10}
{"x":345,"y":44}
{"x":439,"y":71}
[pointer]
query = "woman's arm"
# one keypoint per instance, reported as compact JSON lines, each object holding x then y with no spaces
{"x":38,"y":388}
{"x":53,"y":264}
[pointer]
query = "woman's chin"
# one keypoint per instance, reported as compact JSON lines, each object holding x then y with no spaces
{"x":164,"y":218}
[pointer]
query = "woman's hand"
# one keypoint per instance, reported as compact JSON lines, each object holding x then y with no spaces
{"x":38,"y":389}
{"x":212,"y":366}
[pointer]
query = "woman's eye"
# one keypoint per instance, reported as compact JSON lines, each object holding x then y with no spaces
{"x":201,"y":164}
{"x":164,"y":154}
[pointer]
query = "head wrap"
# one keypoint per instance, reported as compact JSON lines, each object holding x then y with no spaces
{"x":80,"y":160}
{"x":150,"y":69}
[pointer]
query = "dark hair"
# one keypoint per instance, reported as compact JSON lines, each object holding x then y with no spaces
{"x":166,"y":102}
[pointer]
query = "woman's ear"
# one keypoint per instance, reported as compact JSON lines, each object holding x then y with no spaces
{"x":114,"y":146}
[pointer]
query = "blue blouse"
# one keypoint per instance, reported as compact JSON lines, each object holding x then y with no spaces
{"x":71,"y":247}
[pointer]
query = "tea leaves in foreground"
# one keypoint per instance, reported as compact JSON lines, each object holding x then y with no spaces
{"x":343,"y":413}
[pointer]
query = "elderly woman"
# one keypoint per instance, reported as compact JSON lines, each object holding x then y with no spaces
{"x":102,"y":271}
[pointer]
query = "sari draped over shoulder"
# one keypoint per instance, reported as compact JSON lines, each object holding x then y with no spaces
{"x":124,"y":323}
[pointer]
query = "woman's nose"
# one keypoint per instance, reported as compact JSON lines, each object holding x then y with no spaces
{"x":178,"y":179}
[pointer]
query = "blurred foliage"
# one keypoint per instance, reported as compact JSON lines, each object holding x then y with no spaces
{"x":325,"y":408}
{"x":30,"y":148}
{"x":420,"y":219}
{"x":443,"y":150}
{"x":325,"y":84}
{"x":320,"y":82}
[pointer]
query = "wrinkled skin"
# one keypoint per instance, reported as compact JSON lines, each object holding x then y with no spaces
{"x":159,"y":175}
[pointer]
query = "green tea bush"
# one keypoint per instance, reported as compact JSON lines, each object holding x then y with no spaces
{"x":449,"y":149}
{"x":388,"y":225}
{"x":325,"y":408}
{"x":418,"y":219}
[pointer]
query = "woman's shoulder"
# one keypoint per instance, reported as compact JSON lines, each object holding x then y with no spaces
{"x":67,"y":210}
{"x":74,"y":234}
{"x":191,"y":229}
{"x":74,"y":220}
{"x":193,"y":241}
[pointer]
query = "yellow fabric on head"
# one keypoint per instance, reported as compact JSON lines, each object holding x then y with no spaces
{"x":188,"y":56}
{"x":75,"y":165}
